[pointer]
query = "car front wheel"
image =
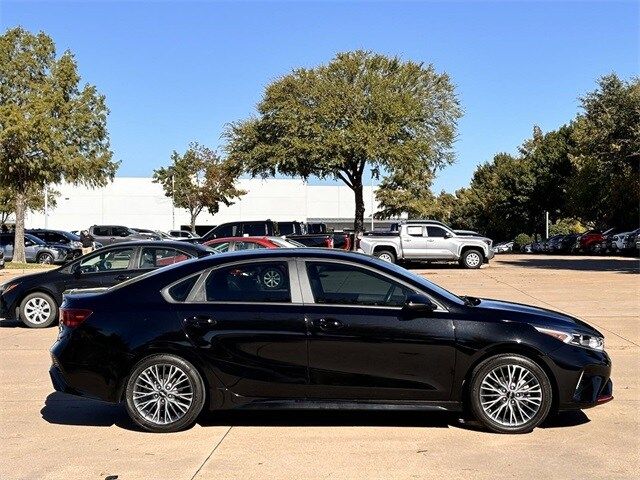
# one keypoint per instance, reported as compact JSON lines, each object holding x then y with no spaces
{"x":38,"y":310}
{"x":510,"y":394}
{"x":45,"y":258}
{"x":471,"y":259}
{"x":165,"y":393}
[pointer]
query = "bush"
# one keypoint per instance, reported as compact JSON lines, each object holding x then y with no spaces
{"x":520,"y":241}
{"x":566,"y":226}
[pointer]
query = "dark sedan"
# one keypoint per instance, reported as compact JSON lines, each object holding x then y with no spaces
{"x":34,"y":299}
{"x":313,"y":328}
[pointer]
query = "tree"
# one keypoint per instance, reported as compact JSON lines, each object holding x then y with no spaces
{"x":197,"y":180}
{"x":51,"y":130}
{"x":361,"y":109}
{"x":35,"y":202}
{"x":497,"y":201}
{"x":406,"y":193}
{"x":605,"y":189}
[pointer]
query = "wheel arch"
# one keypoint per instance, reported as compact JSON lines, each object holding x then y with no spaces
{"x":212,"y":383}
{"x":466,"y":248}
{"x":385,"y":246}
{"x":513,"y":349}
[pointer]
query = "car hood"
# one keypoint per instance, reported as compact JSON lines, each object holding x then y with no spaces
{"x":540,"y":317}
{"x":60,"y":246}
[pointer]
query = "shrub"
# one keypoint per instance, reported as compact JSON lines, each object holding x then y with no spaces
{"x":520,"y":241}
{"x":566,"y":226}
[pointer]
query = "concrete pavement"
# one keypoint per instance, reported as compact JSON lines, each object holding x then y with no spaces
{"x":45,"y":435}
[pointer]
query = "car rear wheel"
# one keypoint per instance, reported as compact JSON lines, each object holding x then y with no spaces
{"x":45,"y":258}
{"x":386,"y":255}
{"x":510,"y":394}
{"x":165,"y":393}
{"x":38,"y":310}
{"x":471,"y":259}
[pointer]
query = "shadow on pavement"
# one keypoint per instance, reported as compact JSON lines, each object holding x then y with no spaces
{"x":65,"y":409}
{"x":622,"y":265}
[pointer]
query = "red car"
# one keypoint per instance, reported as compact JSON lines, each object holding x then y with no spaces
{"x":234,"y":244}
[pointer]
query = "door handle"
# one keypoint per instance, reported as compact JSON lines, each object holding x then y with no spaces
{"x":329,"y":324}
{"x":201,"y":321}
{"x":122,"y":278}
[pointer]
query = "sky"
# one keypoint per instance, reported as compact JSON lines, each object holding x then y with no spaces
{"x":176,"y":72}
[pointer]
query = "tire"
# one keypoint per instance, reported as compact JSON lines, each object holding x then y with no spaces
{"x":163,"y":407}
{"x":45,"y":258}
{"x":386,"y":256}
{"x":508,"y":409}
{"x":38,"y":310}
{"x":471,"y":258}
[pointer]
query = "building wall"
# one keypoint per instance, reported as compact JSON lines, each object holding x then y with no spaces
{"x":138,"y":202}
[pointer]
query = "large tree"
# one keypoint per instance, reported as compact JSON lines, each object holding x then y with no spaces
{"x":51,"y":129}
{"x":605,"y":189}
{"x":361,"y":109}
{"x":199,"y":179}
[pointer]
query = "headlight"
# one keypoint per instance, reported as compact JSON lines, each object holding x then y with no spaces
{"x":578,"y":339}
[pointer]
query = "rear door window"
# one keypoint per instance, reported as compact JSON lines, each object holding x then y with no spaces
{"x":254,"y":282}
{"x":102,"y":231}
{"x":414,"y":231}
{"x":247,"y":246}
{"x":254,"y":229}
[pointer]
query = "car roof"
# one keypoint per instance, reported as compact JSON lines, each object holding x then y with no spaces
{"x":237,"y":239}
{"x":159,"y":244}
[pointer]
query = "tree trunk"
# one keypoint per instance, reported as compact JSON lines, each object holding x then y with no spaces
{"x":193,"y":222}
{"x":358,"y":223}
{"x":18,"y":246}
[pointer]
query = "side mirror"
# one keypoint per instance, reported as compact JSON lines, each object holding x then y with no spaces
{"x":448,"y":235}
{"x":75,"y":270}
{"x":416,"y":304}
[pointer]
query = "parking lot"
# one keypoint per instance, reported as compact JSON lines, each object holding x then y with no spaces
{"x":46,"y":435}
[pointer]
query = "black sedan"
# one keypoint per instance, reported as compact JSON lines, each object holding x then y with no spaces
{"x":313,"y":328}
{"x":35,"y":299}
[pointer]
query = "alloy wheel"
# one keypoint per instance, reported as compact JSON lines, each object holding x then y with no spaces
{"x":511,"y":395}
{"x":163,"y":393}
{"x":37,"y":310}
{"x":45,"y":259}
{"x":386,"y":257}
{"x":473,"y":259}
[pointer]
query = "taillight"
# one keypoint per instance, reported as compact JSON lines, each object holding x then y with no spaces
{"x":72,"y":317}
{"x":328,"y":242}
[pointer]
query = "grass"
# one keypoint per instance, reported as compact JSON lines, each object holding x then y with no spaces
{"x":26,"y":266}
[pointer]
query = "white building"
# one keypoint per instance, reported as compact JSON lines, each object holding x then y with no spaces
{"x":138,"y":202}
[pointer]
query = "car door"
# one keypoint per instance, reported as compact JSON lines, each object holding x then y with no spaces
{"x":440,"y":243}
{"x":247,"y":320}
{"x":414,"y":243}
{"x":361,"y":343}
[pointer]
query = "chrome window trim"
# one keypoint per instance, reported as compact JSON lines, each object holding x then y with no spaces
{"x":197,"y":293}
{"x":307,"y":293}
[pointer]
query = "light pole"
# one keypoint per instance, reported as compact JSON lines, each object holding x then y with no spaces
{"x":46,"y":206}
{"x":371,"y":199}
{"x":173,"y":200}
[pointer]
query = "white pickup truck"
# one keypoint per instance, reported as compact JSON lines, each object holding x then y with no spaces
{"x":427,"y":240}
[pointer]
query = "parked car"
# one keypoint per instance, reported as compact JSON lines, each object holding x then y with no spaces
{"x":317,"y":328}
{"x":234,"y":244}
{"x":427,"y":240}
{"x":631,"y":244}
{"x":182,"y":234}
{"x":568,"y":243}
{"x":34,"y":299}
{"x":270,"y":228}
{"x":552,"y":244}
{"x":503,"y":247}
{"x":151,"y":234}
{"x":110,"y":234}
{"x":56,"y":236}
{"x":37,"y":251}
